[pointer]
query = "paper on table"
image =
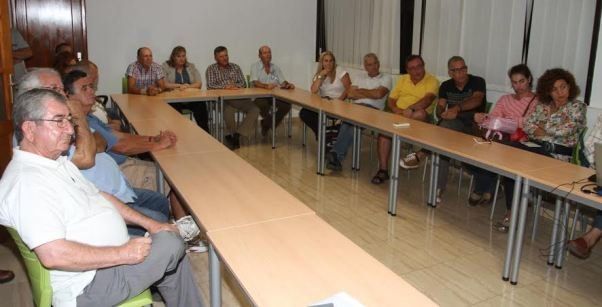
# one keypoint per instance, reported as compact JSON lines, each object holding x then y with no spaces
{"x":341,"y":299}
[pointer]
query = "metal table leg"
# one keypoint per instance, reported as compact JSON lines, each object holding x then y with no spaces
{"x":434,"y":180}
{"x":512,"y":230}
{"x":160,"y":180}
{"x":394,"y":179}
{"x":358,"y":149}
{"x":290,"y":123}
{"x":353,"y":148}
{"x":557,"y":209}
{"x":560,"y":252}
{"x":215,"y":280}
{"x":321,"y":141}
{"x":522,"y":217}
{"x":273,"y":122}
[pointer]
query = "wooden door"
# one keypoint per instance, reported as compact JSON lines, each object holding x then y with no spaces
{"x":46,"y":23}
{"x":6,"y":70}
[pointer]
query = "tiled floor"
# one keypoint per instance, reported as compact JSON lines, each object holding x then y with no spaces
{"x":450,"y":253}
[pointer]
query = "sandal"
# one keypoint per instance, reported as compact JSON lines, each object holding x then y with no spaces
{"x":380,"y":177}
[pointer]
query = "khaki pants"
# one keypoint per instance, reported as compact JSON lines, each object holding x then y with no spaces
{"x":141,"y":174}
{"x":247,"y":127}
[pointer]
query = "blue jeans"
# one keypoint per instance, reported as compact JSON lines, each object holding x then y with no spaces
{"x":151,"y":204}
{"x":344,"y":140}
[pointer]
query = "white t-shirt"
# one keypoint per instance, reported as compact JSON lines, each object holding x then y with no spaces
{"x":335,"y":89}
{"x":47,"y":200}
{"x":366,"y":82}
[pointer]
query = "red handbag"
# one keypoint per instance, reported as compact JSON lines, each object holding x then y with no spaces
{"x":519,"y":135}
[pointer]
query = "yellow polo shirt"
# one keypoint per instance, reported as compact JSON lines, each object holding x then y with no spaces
{"x":407,"y":93}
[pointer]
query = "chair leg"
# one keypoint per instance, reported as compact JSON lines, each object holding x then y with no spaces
{"x":426,"y":163}
{"x":470,"y":185}
{"x":574,"y":224}
{"x":497,"y":189}
{"x":460,"y":173}
{"x":536,"y":214}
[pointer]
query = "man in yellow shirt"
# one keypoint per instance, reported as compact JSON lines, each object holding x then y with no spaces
{"x":413,"y":98}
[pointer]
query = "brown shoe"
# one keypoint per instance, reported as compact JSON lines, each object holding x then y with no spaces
{"x":579,"y":248}
{"x":6,"y":276}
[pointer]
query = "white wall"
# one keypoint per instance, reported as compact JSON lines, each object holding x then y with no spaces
{"x":116,"y":29}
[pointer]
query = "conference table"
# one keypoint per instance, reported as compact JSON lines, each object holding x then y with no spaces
{"x":526,"y":168}
{"x":228,"y":197}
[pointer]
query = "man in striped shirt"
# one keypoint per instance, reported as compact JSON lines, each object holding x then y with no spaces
{"x":145,"y":77}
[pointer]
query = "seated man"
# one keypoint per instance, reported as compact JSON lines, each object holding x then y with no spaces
{"x":370,"y":90}
{"x":145,"y":77}
{"x":107,"y":176}
{"x":413,"y":98}
{"x":78,"y":232}
{"x":265,"y":74}
{"x":225,"y":75}
{"x":106,"y":115}
{"x":459,"y":99}
{"x":104,"y":172}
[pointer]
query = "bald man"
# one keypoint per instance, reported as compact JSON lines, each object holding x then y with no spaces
{"x":265,"y":74}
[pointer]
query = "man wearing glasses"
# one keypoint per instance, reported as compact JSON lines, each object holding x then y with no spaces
{"x":459,"y":99}
{"x":78,"y":232}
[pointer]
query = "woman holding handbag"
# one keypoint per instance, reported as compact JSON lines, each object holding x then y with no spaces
{"x":555,"y":125}
{"x":510,"y":107}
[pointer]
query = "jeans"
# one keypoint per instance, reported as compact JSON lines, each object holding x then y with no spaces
{"x":151,"y":204}
{"x":344,"y":140}
{"x":457,"y":125}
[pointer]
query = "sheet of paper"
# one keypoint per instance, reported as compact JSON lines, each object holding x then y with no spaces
{"x":341,"y":299}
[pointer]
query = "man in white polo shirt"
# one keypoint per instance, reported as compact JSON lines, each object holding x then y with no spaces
{"x":78,"y":232}
{"x":370,"y":89}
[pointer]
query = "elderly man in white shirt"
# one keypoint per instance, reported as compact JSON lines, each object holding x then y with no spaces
{"x":78,"y":232}
{"x":369,"y":89}
{"x":265,"y":74}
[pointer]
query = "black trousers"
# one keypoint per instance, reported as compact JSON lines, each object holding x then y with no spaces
{"x":199,"y":111}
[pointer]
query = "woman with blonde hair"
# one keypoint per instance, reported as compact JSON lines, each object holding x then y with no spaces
{"x":328,"y":82}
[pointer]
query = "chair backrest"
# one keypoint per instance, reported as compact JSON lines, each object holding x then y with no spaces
{"x":39,"y":277}
{"x":578,"y":156}
{"x":124,"y":85}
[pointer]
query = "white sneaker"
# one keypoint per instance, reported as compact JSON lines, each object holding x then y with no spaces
{"x":197,"y":246}
{"x":188,"y":228}
{"x":411,"y":161}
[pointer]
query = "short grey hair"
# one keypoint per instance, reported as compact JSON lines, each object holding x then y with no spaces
{"x":31,"y":80}
{"x":32,"y":105}
{"x":371,"y":55}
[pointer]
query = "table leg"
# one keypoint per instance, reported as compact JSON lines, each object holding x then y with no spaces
{"x":215,"y":280}
{"x":290,"y":123}
{"x":522,"y":217}
{"x":358,"y":148}
{"x":353,"y":148}
{"x":394,"y":178}
{"x":273,"y":122}
{"x":562,"y":238}
{"x":434,"y":179}
{"x":160,"y":180}
{"x":321,"y":141}
{"x":557,"y":209}
{"x":512,"y":230}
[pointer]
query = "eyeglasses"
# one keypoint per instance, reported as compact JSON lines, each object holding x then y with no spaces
{"x":459,"y":69}
{"x":60,"y":122}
